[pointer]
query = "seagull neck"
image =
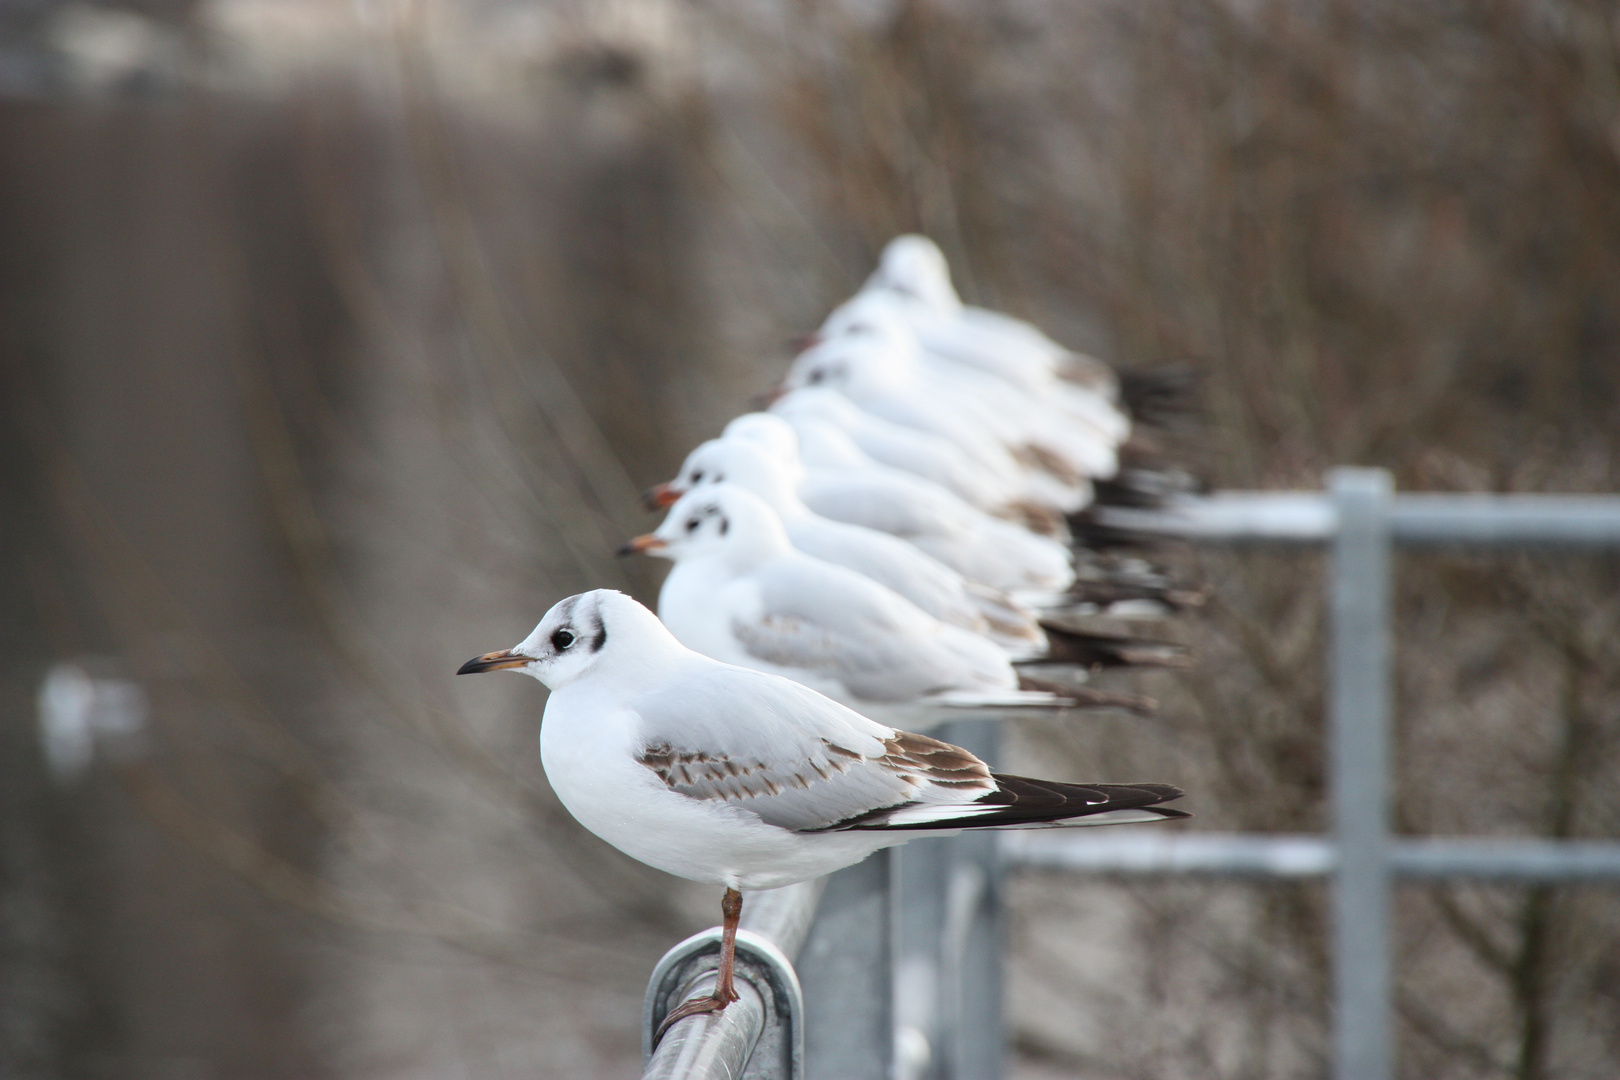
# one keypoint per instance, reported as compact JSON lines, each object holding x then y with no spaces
{"x":786,"y":502}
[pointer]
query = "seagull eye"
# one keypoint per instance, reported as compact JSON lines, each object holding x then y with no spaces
{"x":697,"y":477}
{"x":562,"y":639}
{"x":691,"y":526}
{"x":816,"y":376}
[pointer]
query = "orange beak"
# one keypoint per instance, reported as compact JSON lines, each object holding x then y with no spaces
{"x":493,"y":661}
{"x":657,"y":498}
{"x":640,"y":545}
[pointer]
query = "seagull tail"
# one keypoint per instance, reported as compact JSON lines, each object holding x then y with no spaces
{"x":1046,"y":697}
{"x":1093,"y":648}
{"x":1019,"y":802}
{"x":1089,"y":697}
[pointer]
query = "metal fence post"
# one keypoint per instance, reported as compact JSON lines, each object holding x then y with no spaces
{"x":1359,"y":718}
{"x":844,"y":969}
{"x":945,"y":913}
{"x":973,"y":1041}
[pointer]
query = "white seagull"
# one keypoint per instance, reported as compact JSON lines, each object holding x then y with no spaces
{"x":873,"y":364}
{"x":895,"y":563}
{"x":813,"y":409}
{"x":740,"y":592}
{"x":982,"y":549}
{"x":952,"y":530}
{"x":1044,"y":400}
{"x":741,"y":779}
{"x":876,"y":361}
{"x":913,"y":271}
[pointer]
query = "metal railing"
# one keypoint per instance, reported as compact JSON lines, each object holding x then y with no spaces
{"x":900,"y":964}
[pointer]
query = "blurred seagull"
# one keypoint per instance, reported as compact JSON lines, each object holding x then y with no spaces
{"x":1043,"y":400}
{"x":934,"y":587}
{"x":898,"y":503}
{"x":741,"y":593}
{"x":745,"y":780}
{"x":982,"y":549}
{"x":875,"y":361}
{"x":914,"y":272}
{"x":815,"y":411}
{"x":870,"y":368}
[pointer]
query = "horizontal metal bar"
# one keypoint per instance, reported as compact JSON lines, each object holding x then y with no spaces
{"x":1126,"y":850}
{"x":1287,"y":517}
{"x":1507,"y":520}
{"x":1303,"y":517}
{"x":1520,"y":860}
{"x":1154,"y":852}
{"x":715,"y":1045}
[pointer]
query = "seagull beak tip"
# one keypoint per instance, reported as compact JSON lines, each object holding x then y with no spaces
{"x":646,"y":544}
{"x":493,"y":661}
{"x":659,"y":497}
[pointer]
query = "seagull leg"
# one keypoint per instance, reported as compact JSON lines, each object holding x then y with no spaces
{"x":724,"y":992}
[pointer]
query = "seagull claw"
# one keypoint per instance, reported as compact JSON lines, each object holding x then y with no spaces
{"x":712,"y":1003}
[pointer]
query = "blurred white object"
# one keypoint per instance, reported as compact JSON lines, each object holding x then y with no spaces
{"x":77,"y":710}
{"x":742,"y":594}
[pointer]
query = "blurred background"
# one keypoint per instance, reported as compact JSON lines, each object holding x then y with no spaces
{"x":339,"y":338}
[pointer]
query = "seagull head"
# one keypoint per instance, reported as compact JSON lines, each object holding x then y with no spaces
{"x":573,"y":637}
{"x":869,"y":349}
{"x":743,"y":461}
{"x":721,"y":520}
{"x":772,"y":433}
{"x":913,"y":267}
{"x":817,"y":402}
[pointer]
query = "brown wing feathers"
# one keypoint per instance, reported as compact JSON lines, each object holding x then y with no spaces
{"x":917,"y":757}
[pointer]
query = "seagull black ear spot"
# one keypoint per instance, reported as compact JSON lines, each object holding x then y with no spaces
{"x":724,"y":525}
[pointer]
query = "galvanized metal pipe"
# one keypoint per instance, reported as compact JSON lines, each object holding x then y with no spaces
{"x":1444,"y":520}
{"x":1150,"y":852}
{"x":1238,"y":517}
{"x":1360,"y":702}
{"x":1569,"y":861}
{"x":1507,"y":520}
{"x":719,"y":1046}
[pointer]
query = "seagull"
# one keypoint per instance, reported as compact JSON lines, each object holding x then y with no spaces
{"x":861,"y":364}
{"x":740,"y":592}
{"x":934,"y":587}
{"x":984,"y":550}
{"x":813,"y":410}
{"x":746,"y":780}
{"x":913,"y":271}
{"x":875,"y":359}
{"x":940,"y":340}
{"x":976,"y":544}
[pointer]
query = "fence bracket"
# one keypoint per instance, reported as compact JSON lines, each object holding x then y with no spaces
{"x":774,"y":1027}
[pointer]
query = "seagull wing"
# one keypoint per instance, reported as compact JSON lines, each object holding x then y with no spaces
{"x":803,"y":762}
{"x":796,"y":759}
{"x":819,"y":617}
